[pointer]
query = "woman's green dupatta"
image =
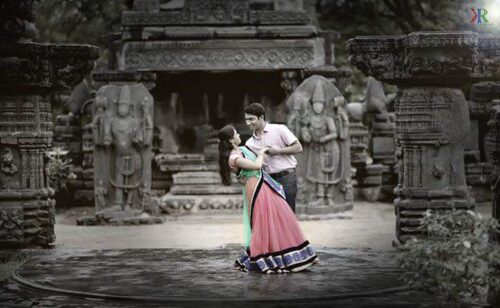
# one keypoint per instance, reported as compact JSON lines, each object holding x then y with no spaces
{"x":247,"y":230}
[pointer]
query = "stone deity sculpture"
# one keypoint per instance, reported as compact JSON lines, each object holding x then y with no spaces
{"x":321,"y":123}
{"x":8,"y":166}
{"x":123,"y":133}
{"x":99,"y":122}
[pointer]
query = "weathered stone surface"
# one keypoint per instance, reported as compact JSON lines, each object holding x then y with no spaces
{"x":341,"y":78}
{"x":202,"y":204}
{"x":440,"y":58}
{"x":148,"y":79}
{"x":346,"y":278}
{"x":432,"y":118}
{"x":184,"y":162}
{"x":203,"y":12}
{"x":32,"y":72}
{"x":318,"y":118}
{"x":493,"y":146}
{"x":122,"y":133}
{"x":222,"y":55}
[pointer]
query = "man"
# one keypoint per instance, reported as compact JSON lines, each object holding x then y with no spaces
{"x":279,"y":161}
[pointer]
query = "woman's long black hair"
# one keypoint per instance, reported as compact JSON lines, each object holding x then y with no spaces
{"x":225,"y":148}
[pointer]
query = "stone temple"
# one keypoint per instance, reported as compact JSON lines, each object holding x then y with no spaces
{"x":203,"y":62}
{"x":180,"y":70}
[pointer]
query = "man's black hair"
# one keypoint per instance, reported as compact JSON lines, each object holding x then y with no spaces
{"x":256,"y":109}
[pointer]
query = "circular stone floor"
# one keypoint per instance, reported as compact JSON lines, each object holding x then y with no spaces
{"x":193,"y":277}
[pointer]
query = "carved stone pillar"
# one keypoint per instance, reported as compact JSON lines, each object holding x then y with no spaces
{"x":493,"y":146}
{"x":432,"y":117}
{"x":31,"y":72}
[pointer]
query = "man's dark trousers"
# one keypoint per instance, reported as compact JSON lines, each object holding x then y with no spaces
{"x":289,"y":183}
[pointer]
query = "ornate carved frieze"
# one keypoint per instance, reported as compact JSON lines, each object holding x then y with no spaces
{"x":45,"y":65}
{"x":25,"y":114}
{"x":11,"y":225}
{"x":226,"y":55}
{"x":207,"y":16}
{"x":441,"y":58}
{"x":432,"y":115}
{"x":30,"y":72}
{"x":148,"y":79}
{"x":493,"y":145}
{"x":481,"y":97}
{"x":278,"y":17}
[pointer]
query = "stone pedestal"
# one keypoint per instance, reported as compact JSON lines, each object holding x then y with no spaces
{"x":432,"y":118}
{"x":31,"y":73}
{"x":197,"y":187}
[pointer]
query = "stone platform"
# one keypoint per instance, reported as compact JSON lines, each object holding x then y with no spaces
{"x":191,"y":278}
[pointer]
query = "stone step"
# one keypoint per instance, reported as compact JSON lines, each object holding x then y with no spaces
{"x":210,"y":189}
{"x":201,"y":204}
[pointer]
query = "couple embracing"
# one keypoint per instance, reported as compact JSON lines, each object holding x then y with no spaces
{"x":265,"y":167}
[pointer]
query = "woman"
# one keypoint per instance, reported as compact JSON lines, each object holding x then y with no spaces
{"x":273,"y":239}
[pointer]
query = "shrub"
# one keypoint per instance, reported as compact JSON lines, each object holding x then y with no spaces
{"x":58,"y":169}
{"x":455,"y":257}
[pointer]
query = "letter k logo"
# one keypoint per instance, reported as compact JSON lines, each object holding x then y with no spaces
{"x":474,"y":18}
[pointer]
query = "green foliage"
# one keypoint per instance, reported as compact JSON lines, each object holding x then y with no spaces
{"x":59,"y":170}
{"x":456,"y":258}
{"x":78,"y":21}
{"x":393,"y":17}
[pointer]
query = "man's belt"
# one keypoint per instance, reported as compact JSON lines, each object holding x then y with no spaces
{"x":282,"y":173}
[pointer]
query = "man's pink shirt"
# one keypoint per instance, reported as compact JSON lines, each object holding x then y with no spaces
{"x":277,"y":136}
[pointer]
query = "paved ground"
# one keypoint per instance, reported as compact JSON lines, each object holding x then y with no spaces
{"x":369,"y":225}
{"x":186,"y":262}
{"x":133,"y":277}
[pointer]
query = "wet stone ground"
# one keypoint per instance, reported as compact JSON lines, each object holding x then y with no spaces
{"x":178,"y":278}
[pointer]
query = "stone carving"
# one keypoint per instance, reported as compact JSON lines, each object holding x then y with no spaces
{"x":288,"y":5}
{"x":212,"y":12}
{"x":415,"y":57}
{"x":100,"y":193}
{"x":8,"y":166}
{"x":11,"y":225}
{"x":493,"y":145}
{"x":147,"y":5}
{"x":32,"y":72}
{"x":122,"y":139}
{"x":320,"y":114}
{"x":212,"y":55}
{"x":432,"y":118}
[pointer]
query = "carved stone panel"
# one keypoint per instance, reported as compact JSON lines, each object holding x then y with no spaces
{"x":122,"y":133}
{"x":11,"y":225}
{"x":223,"y":55}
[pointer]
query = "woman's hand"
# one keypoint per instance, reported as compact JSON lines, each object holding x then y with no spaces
{"x":263,"y":150}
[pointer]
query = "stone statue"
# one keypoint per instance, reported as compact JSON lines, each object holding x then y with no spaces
{"x":100,"y":193}
{"x":8,"y":166}
{"x":322,"y":132}
{"x":99,"y":122}
{"x":123,"y":134}
{"x":320,"y":121}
